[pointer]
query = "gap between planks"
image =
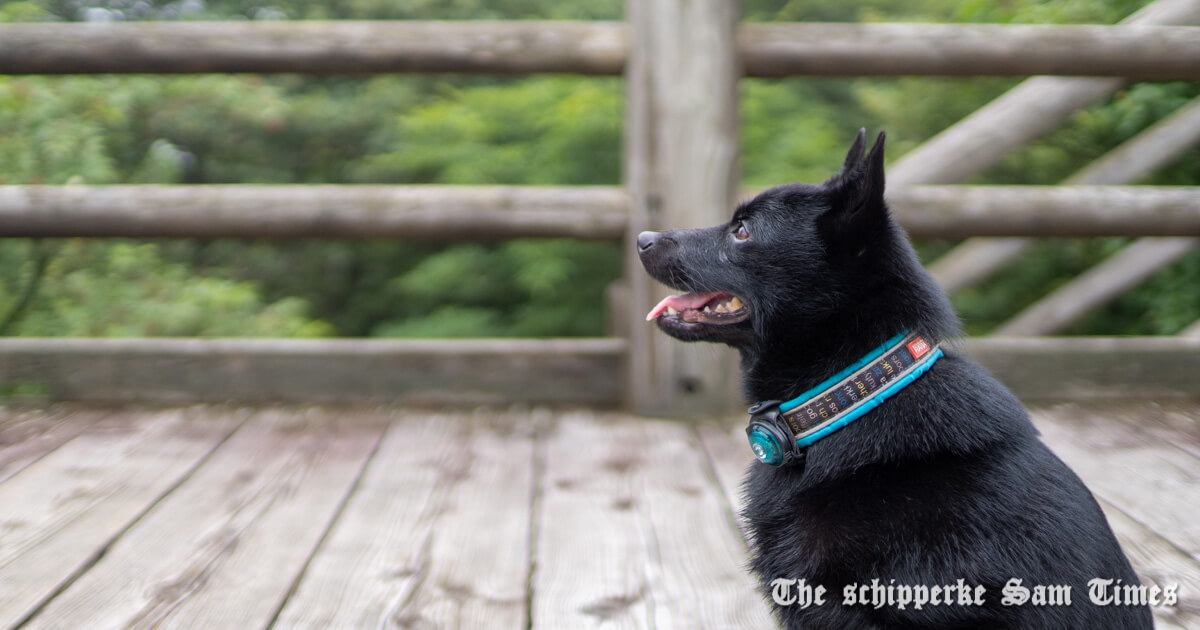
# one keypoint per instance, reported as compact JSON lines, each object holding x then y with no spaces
{"x":224,"y":547}
{"x":635,"y":533}
{"x":80,"y":497}
{"x":430,"y":538}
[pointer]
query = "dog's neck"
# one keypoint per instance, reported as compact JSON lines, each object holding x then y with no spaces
{"x":785,"y":369}
{"x":800,"y":356}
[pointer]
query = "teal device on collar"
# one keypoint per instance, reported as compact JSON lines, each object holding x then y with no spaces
{"x":780,"y":431}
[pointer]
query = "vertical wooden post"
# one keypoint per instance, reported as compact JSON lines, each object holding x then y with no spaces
{"x":681,"y":170}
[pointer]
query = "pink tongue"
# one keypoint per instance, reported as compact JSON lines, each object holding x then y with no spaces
{"x":682,"y":303}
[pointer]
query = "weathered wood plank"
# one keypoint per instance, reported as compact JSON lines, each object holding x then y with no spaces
{"x":427,"y":213}
{"x":342,"y":46}
{"x":483,"y":213}
{"x":681,"y":165}
{"x":224,"y":549}
{"x":1046,"y":211}
{"x":1140,"y":52}
{"x":1157,"y":561}
{"x":29,"y":435}
{"x":730,"y":457}
{"x":457,"y":372}
{"x":436,"y":534}
{"x":70,"y":505}
{"x":1086,"y":368}
{"x":662,"y":549}
{"x":378,"y":548}
{"x":704,"y":582}
{"x":767,"y":50}
{"x":585,"y":371}
{"x":1133,"y":457}
{"x":637,"y":156}
{"x":1129,"y":469}
{"x":588,"y":494}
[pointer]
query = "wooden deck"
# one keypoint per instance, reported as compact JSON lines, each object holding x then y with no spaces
{"x":230,"y":518}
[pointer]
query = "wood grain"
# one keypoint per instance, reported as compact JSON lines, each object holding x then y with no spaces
{"x":635,"y":533}
{"x":73,"y":503}
{"x":1134,"y":472}
{"x":224,"y":549}
{"x":436,"y":535}
{"x":454,"y":372}
{"x":320,"y":47}
{"x":425,"y":213}
{"x":29,"y":435}
{"x":730,"y":457}
{"x":681,"y":165}
{"x":1047,"y":211}
{"x":766,"y":50}
{"x":1158,"y":562}
{"x":484,"y":213}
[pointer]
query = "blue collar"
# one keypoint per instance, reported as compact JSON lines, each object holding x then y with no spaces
{"x":780,"y":431}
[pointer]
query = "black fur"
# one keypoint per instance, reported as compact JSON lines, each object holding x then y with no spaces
{"x":946,"y":480}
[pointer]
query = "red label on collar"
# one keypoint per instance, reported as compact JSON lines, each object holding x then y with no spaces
{"x":917,"y":348}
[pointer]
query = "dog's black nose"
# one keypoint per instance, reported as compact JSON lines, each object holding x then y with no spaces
{"x":646,"y":240}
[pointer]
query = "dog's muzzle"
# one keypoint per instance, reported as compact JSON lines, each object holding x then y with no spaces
{"x":770,"y":438}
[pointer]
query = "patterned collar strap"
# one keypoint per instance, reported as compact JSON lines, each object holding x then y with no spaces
{"x":780,"y":431}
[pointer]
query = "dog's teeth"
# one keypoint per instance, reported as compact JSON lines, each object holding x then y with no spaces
{"x":735,"y":304}
{"x":722,"y":308}
{"x":707,"y":309}
{"x":671,"y":311}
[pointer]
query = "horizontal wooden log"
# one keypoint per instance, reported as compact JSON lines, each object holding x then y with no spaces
{"x":1089,"y":368}
{"x":443,"y":213}
{"x":567,"y":371}
{"x":1131,"y":51}
{"x":462,"y":213}
{"x":460,"y":372}
{"x":599,"y":48}
{"x":1045,"y":211}
{"x":318,"y":47}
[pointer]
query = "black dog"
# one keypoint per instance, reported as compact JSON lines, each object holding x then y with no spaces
{"x":943,"y":489}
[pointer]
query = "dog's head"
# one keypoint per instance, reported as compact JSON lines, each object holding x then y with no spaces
{"x":793,"y":256}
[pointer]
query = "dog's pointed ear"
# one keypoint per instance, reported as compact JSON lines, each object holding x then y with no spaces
{"x":856,"y":196}
{"x":855,"y":154}
{"x":872,"y":180}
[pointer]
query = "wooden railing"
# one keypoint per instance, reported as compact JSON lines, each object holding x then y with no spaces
{"x":681,"y":62}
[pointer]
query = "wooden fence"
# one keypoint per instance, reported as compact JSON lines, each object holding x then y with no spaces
{"x":681,"y":60}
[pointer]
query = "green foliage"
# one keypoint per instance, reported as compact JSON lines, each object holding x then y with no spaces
{"x":483,"y":130}
{"x":547,"y":130}
{"x":521,"y":288}
{"x":130,"y":290}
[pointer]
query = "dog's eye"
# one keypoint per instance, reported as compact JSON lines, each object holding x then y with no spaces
{"x":741,"y":233}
